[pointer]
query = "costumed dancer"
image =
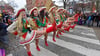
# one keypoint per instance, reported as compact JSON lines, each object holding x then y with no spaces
{"x":38,"y":22}
{"x":44,"y":17}
{"x":65,"y":16}
{"x":67,"y":22}
{"x":32,"y":21}
{"x":34,"y":18}
{"x":22,"y":28}
{"x":66,"y":13}
{"x":76,"y":16}
{"x":59,"y":21}
{"x":62,"y":16}
{"x":52,"y":12}
{"x":63,"y":19}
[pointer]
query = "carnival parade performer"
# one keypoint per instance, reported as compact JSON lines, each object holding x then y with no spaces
{"x":61,"y":21}
{"x":43,"y":14}
{"x":67,"y":22}
{"x":52,"y":15}
{"x":38,"y":25}
{"x":76,"y":16}
{"x":22,"y":28}
{"x":65,"y":16}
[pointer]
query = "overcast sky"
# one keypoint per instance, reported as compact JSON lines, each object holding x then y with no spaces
{"x":22,"y":3}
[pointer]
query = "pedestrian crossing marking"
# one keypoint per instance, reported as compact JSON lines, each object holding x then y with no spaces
{"x":88,"y":34}
{"x":87,"y":28}
{"x":83,"y":27}
{"x":43,"y":52}
{"x":74,"y":47}
{"x":92,"y":52}
{"x":9,"y":55}
{"x":93,"y":41}
{"x":68,"y":45}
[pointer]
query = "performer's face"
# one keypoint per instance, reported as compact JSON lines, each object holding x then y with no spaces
{"x":23,"y":14}
{"x":35,"y":13}
{"x":60,"y":12}
{"x":45,"y":11}
{"x":64,"y":11}
{"x":56,"y":8}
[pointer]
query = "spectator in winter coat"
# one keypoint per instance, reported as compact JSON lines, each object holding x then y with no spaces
{"x":89,"y":20}
{"x":97,"y":19}
{"x":93,"y":18}
{"x":3,"y":33}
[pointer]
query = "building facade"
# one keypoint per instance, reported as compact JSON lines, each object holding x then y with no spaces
{"x":37,"y":3}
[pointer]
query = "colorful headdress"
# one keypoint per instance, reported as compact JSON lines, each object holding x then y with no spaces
{"x":35,"y":8}
{"x":52,"y":8}
{"x":42,"y":8}
{"x":19,"y":11}
{"x":60,"y":9}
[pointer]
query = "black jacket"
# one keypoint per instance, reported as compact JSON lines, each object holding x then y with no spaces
{"x":3,"y":30}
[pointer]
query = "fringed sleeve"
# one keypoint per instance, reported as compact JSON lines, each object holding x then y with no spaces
{"x":13,"y":27}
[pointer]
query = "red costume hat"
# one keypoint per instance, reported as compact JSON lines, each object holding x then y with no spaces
{"x":60,"y":9}
{"x":52,"y":8}
{"x":35,"y":8}
{"x":43,"y":8}
{"x":19,"y":11}
{"x":65,"y":10}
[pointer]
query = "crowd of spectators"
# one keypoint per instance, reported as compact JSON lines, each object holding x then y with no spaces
{"x":90,"y":19}
{"x":6,"y":19}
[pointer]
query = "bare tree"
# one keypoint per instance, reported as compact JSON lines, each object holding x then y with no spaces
{"x":64,"y":3}
{"x":97,"y":5}
{"x":12,"y":3}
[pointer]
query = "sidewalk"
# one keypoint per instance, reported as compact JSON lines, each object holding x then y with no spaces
{"x":97,"y":31}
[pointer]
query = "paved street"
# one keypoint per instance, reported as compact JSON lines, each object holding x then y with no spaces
{"x":24,"y":15}
{"x":81,"y":41}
